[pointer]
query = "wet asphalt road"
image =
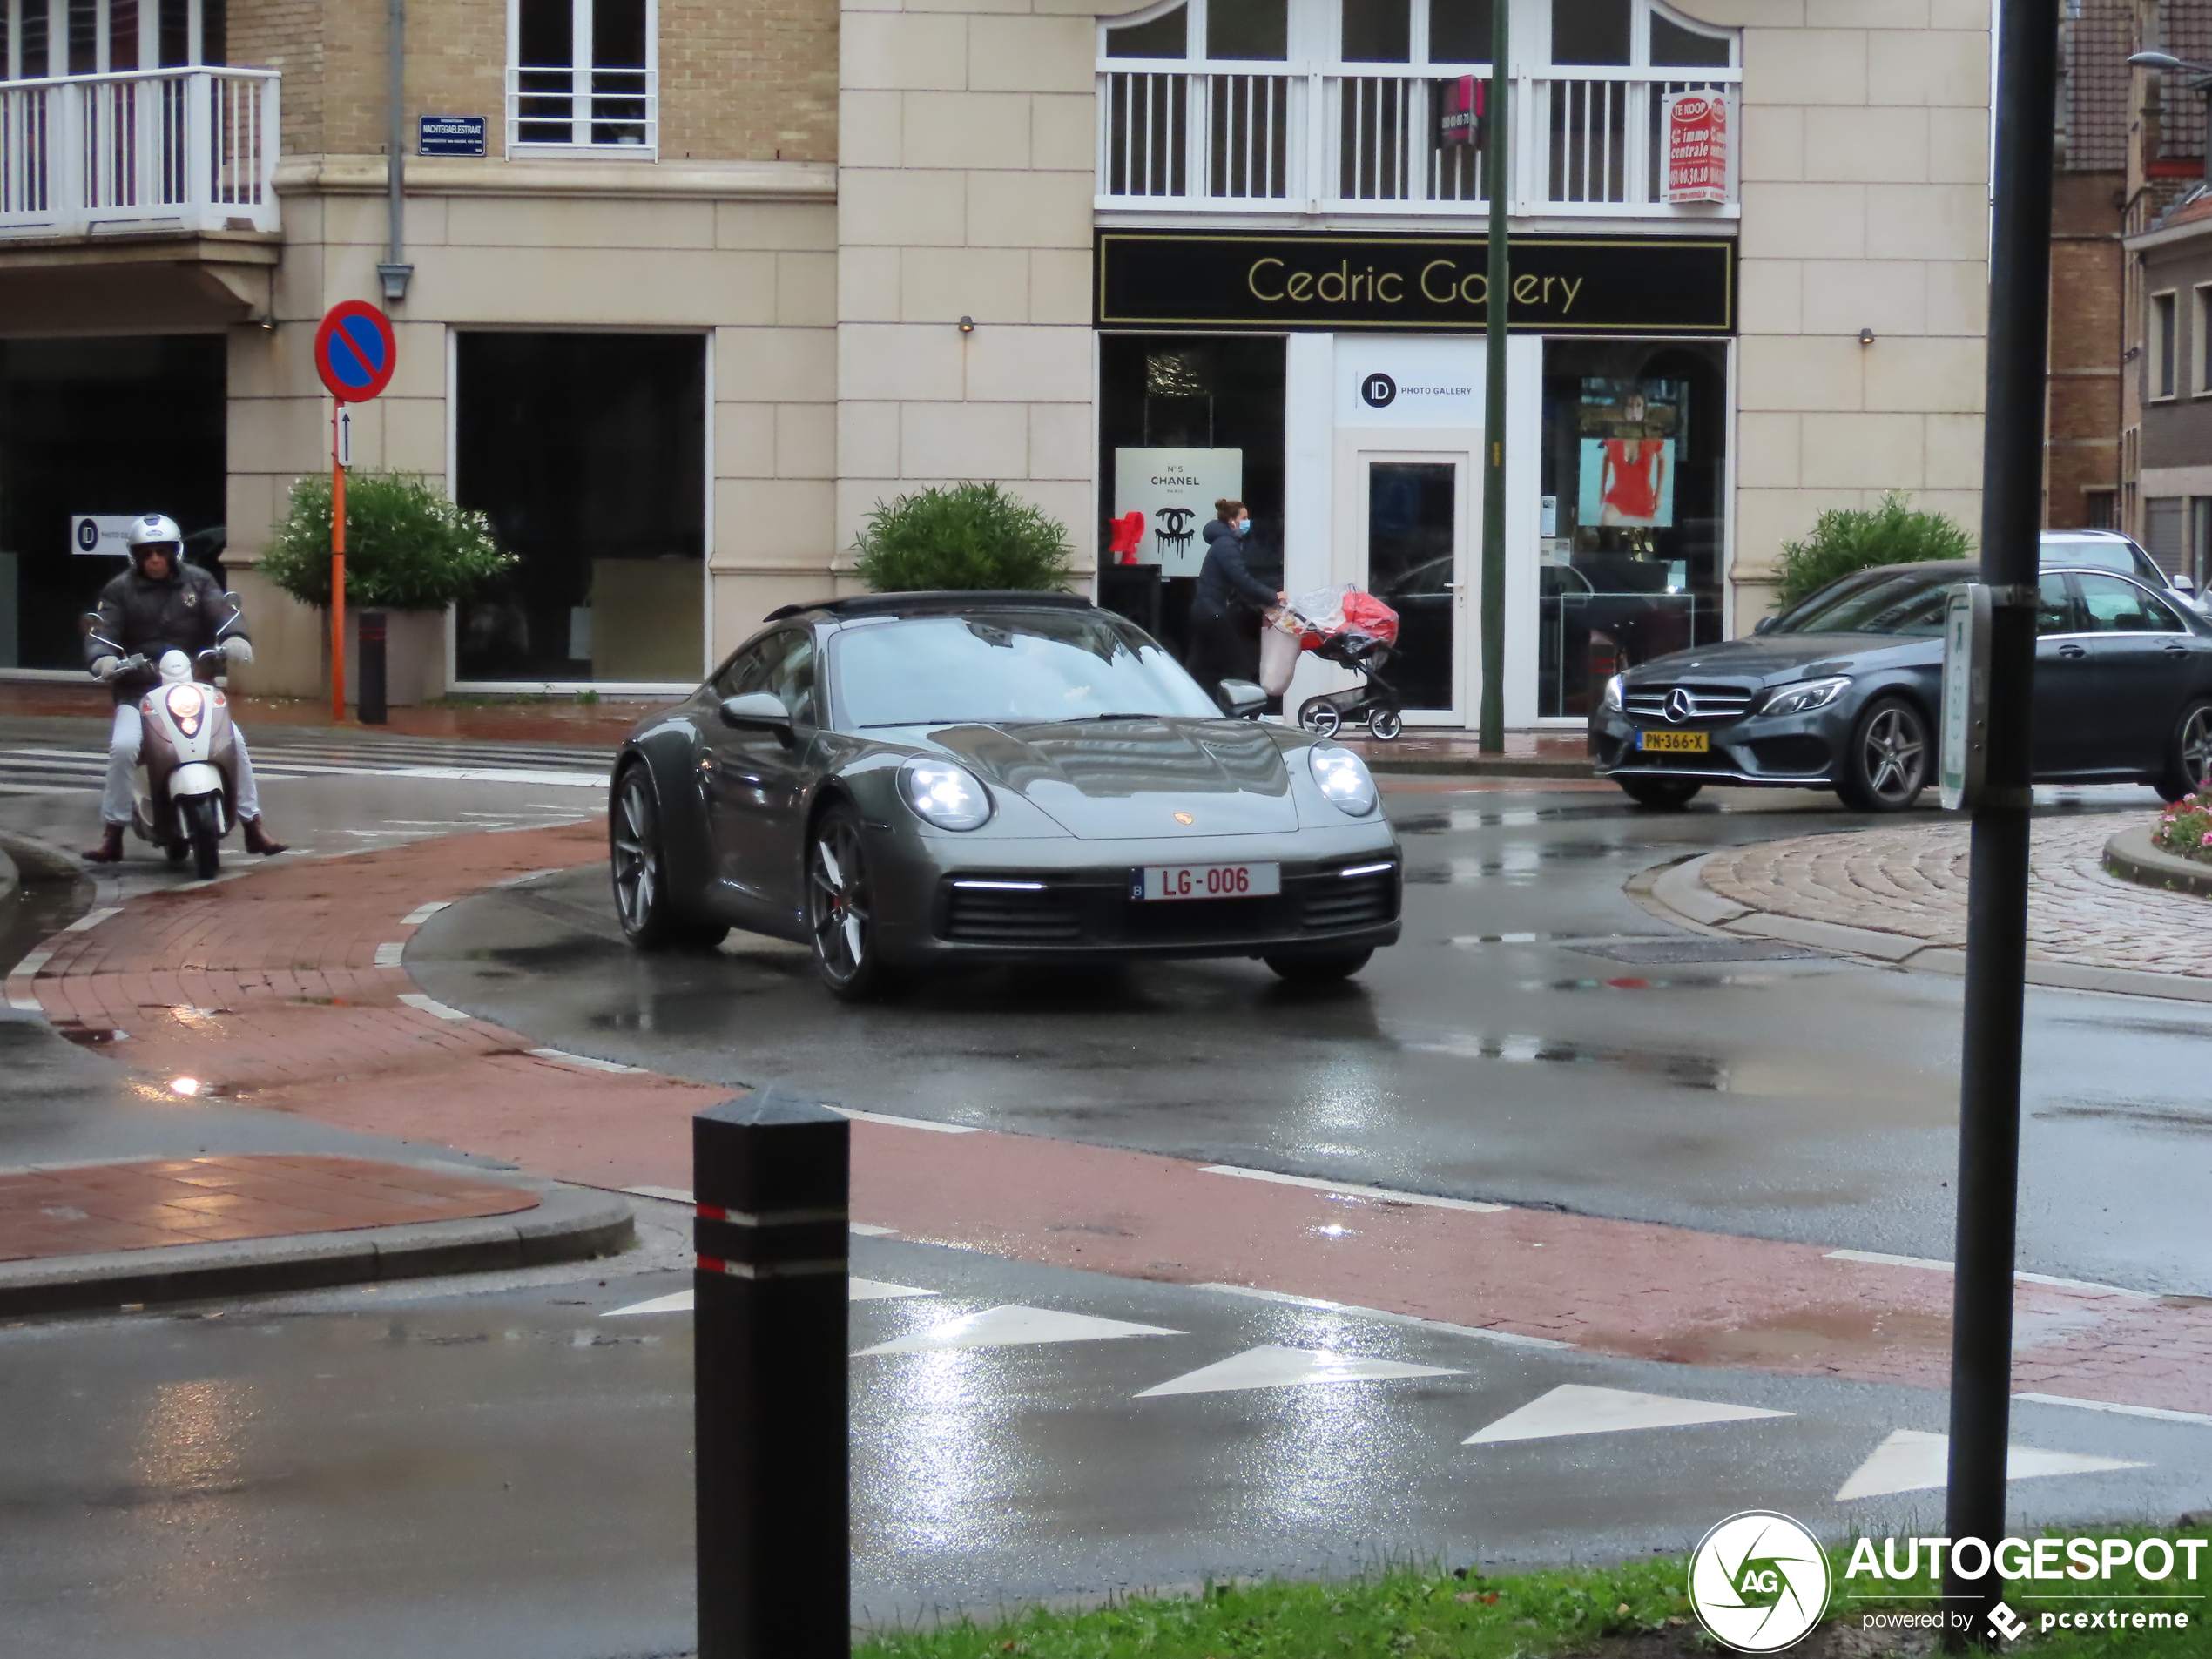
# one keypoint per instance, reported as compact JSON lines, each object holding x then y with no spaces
{"x":494,"y":1467}
{"x":1504,"y":1050}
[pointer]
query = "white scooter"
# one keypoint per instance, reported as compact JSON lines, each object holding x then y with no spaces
{"x":184,"y":798}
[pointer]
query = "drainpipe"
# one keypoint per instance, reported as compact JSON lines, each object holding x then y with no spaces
{"x":395,"y":271}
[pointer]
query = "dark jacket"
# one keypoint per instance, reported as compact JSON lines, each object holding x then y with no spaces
{"x":184,"y":611}
{"x":1226,"y":584}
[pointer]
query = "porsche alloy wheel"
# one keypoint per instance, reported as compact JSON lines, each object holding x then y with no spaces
{"x":840,"y":908}
{"x":638,"y":861}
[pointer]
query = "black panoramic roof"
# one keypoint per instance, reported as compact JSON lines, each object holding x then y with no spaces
{"x":919,"y":605}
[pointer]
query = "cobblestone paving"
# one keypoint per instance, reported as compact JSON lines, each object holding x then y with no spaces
{"x":1912,"y":881}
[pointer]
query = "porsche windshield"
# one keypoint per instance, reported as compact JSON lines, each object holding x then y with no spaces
{"x":1005,"y":666}
{"x":1901,"y":601}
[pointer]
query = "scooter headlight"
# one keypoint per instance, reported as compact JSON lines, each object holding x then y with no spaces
{"x":185,"y":705}
{"x":1343,"y":777}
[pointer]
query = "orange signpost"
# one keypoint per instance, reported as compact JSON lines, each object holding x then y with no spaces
{"x":355,"y":355}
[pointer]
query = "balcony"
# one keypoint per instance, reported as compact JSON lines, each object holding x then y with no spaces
{"x":1225,"y":138}
{"x":180,"y":151}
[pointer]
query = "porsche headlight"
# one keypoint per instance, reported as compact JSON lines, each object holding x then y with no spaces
{"x":945,"y":793}
{"x":1343,"y":777}
{"x":1611,"y":702}
{"x":1803,"y":699}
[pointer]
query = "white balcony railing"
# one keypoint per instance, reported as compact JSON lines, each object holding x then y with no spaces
{"x":604,"y":112}
{"x":1363,"y":139}
{"x":164,"y":150}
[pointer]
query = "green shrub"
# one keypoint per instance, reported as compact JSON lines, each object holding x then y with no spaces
{"x":408,"y":547}
{"x":1848,"y":539}
{"x":969,"y":537}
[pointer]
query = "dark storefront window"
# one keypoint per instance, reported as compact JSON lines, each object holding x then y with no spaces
{"x":589,"y":454}
{"x":112,"y":428}
{"x":1635,"y":439}
{"x":1213,"y":404}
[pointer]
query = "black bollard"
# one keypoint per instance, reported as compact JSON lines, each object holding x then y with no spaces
{"x":771,"y":1173}
{"x":372,"y":710}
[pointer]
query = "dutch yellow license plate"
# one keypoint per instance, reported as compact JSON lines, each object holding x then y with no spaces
{"x":1673,"y":742}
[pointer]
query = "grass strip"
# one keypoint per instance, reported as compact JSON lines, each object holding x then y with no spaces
{"x":1640,"y":1608}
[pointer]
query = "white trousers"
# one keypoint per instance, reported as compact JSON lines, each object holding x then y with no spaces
{"x":123,"y":741}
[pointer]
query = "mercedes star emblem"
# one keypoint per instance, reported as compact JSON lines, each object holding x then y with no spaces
{"x":1680,"y":706}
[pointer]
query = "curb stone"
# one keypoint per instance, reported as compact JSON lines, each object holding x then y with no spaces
{"x":568,"y":1223}
{"x":2133,"y":857}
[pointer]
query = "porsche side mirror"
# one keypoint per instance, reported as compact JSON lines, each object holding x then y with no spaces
{"x":1765,"y":624}
{"x":757,"y":712}
{"x":1241,"y":700}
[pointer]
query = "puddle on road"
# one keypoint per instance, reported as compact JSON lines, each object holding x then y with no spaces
{"x":1708,"y":982}
{"x":35,"y":910}
{"x":1705,"y":1072}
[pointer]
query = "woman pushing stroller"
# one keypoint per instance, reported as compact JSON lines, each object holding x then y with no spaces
{"x":1231,"y":600}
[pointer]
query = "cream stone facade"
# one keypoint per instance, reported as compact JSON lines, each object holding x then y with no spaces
{"x":882,"y":223}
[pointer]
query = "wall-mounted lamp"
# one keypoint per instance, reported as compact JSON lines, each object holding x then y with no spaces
{"x":1866,"y":336}
{"x":968,"y":324}
{"x":267,"y":323}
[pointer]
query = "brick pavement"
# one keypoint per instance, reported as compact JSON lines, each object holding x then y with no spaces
{"x":265,"y":989}
{"x":1911,"y":880}
{"x":212,"y":1200}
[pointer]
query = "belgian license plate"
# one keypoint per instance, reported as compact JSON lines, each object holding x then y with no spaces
{"x":1676,"y":743}
{"x":1207,"y":881}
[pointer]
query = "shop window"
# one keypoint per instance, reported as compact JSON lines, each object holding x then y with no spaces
{"x":1185,"y":420}
{"x":1629,"y":523}
{"x":583,"y":73}
{"x":108,"y":426}
{"x":587,"y":453}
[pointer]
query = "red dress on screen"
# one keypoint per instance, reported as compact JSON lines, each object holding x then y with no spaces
{"x":1632,"y":475}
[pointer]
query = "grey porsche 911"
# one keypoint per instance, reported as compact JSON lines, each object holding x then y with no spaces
{"x":914,"y":779}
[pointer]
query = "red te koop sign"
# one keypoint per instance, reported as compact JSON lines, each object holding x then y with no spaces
{"x":1696,"y":147}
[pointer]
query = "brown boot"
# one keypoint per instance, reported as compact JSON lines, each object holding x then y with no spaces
{"x":110,"y":850}
{"x":256,"y":839}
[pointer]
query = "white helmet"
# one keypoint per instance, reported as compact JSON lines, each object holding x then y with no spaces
{"x":154,"y":530}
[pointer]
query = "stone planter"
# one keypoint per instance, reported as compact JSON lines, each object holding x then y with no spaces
{"x":2130,"y":856}
{"x":415,"y":657}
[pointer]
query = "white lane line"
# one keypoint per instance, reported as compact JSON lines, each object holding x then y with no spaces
{"x":2158,"y":1412}
{"x":562,"y":1057}
{"x":26,"y":1005}
{"x":868,"y":1229}
{"x":905,"y":1123}
{"x":526,"y":875}
{"x":1879,"y":1259}
{"x":1385,"y":1194}
{"x":92,"y":919}
{"x":430,"y":1005}
{"x":29,"y":966}
{"x":1512,"y":1339}
{"x":422,"y":913}
{"x":387,"y":954}
{"x":856,"y":1289}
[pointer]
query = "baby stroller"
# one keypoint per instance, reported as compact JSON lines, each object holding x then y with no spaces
{"x":1355,"y":631}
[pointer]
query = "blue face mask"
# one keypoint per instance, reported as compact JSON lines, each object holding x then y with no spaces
{"x":1243,"y":527}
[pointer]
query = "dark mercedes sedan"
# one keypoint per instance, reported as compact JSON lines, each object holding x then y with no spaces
{"x":1842,"y":693}
{"x":934,"y":779}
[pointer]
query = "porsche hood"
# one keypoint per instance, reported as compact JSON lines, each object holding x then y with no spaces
{"x":1119,"y":780}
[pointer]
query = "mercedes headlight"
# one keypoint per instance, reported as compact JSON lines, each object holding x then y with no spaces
{"x":1803,"y":699}
{"x":945,"y":793}
{"x":1343,"y":777}
{"x":1611,"y":702}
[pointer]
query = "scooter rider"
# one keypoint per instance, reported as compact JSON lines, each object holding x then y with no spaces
{"x":159,"y":604}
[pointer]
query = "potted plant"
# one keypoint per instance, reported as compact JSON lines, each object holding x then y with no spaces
{"x":409,"y":551}
{"x":968,"y":537}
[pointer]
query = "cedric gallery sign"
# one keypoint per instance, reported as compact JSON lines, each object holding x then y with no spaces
{"x":1271,"y":283}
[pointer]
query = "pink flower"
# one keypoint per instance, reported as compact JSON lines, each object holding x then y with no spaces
{"x":2207,"y":839}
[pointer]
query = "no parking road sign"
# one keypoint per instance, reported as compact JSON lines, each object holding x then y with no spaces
{"x":354,"y":350}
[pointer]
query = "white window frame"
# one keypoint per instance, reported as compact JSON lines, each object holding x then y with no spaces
{"x":2200,"y":341}
{"x":582,"y":71}
{"x":2158,"y":352}
{"x":12,"y":68}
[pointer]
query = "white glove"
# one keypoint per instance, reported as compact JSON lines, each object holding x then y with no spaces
{"x":107,"y":667}
{"x":238,"y":651}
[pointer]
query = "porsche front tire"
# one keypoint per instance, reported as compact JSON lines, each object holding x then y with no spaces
{"x":841,"y":909}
